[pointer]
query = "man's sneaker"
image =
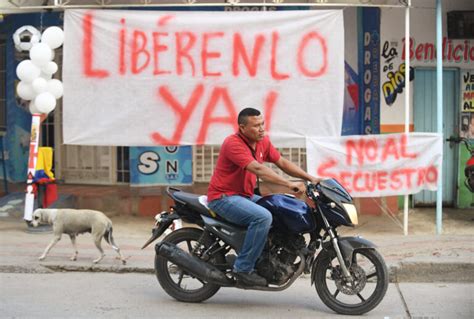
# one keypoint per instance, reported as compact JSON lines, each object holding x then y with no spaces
{"x":250,"y":279}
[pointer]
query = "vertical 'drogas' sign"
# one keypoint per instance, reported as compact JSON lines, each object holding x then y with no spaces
{"x":369,"y":70}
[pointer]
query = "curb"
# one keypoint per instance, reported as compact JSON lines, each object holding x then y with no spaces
{"x":33,"y":269}
{"x":98,"y":268}
{"x":421,"y":272}
{"x":461,"y":272}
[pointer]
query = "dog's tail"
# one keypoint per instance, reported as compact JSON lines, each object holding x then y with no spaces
{"x":109,"y":238}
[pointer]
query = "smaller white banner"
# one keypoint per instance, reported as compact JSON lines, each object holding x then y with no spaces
{"x":378,"y":165}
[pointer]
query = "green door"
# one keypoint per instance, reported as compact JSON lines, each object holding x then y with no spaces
{"x":425,"y":120}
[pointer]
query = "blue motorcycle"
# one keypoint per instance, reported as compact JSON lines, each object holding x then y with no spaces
{"x":193,"y":263}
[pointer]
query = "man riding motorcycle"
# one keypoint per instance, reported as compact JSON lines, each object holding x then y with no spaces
{"x":231,"y":189}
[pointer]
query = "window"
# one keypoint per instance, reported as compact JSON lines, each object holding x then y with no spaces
{"x":205,"y":159}
{"x":460,"y":24}
{"x":47,"y":131}
{"x":123,"y":164}
{"x":3,"y":83}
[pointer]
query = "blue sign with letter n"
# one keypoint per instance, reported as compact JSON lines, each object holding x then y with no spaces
{"x":161,"y":165}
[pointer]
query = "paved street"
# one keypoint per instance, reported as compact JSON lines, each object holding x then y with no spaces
{"x":433,"y":276}
{"x":110,"y":295}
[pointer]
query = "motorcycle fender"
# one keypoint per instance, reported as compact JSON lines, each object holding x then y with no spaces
{"x":160,"y":229}
{"x":347,"y":245}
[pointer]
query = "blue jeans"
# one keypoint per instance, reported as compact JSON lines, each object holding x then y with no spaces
{"x":245,"y":212}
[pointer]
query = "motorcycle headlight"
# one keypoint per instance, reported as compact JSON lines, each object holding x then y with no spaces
{"x":352,"y":212}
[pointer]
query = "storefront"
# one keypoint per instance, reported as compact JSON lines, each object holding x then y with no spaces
{"x":379,"y":72}
{"x":458,"y":63}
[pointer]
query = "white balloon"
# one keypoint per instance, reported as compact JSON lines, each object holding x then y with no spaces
{"x":41,"y":54}
{"x":53,"y":37}
{"x":27,"y":71}
{"x":25,"y":91}
{"x":55,"y":87}
{"x":39,"y":85}
{"x":33,"y":108}
{"x":45,"y":102}
{"x":46,"y":76}
{"x":49,"y":68}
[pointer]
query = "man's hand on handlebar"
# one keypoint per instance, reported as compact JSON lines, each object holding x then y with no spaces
{"x":315,"y":180}
{"x":297,"y":187}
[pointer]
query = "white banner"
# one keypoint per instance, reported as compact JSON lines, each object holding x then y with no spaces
{"x":378,"y":165}
{"x":138,"y":78}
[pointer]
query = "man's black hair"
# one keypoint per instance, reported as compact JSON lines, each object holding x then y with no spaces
{"x":248,"y":111}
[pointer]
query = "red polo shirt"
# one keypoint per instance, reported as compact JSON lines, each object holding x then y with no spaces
{"x":230,"y":176}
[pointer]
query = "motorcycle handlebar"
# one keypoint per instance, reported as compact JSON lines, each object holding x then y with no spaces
{"x":310,"y":189}
{"x":463,"y":140}
{"x":454,"y":139}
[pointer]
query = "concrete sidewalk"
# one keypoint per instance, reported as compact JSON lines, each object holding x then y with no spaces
{"x":419,"y":257}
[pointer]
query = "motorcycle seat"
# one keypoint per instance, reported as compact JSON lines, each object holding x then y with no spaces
{"x":196,"y":202}
{"x":203,"y":201}
{"x":199,"y":204}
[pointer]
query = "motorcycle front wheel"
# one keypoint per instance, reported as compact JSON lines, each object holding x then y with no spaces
{"x":367,"y":289}
{"x":176,"y":282}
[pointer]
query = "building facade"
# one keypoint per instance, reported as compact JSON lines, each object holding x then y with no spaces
{"x":374,"y":98}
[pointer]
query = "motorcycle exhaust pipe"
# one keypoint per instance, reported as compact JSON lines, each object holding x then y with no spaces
{"x":192,"y":264}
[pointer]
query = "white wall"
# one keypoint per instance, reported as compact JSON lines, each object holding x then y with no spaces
{"x":423,"y":32}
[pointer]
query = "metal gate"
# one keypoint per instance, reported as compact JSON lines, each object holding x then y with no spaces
{"x":205,"y":159}
{"x":78,"y":164}
{"x":424,"y":120}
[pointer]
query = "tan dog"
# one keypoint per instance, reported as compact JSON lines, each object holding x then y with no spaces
{"x":74,"y":222}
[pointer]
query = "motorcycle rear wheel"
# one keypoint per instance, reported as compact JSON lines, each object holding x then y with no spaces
{"x":176,"y":282}
{"x":370,"y":276}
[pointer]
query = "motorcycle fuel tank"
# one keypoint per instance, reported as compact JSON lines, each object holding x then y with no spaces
{"x":289,"y":214}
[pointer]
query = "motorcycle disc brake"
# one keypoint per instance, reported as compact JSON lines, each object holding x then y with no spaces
{"x":358,"y":284}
